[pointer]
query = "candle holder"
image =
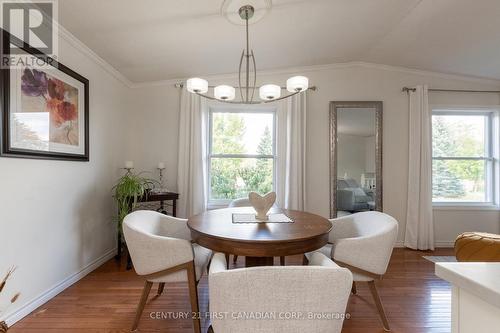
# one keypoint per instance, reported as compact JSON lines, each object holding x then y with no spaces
{"x":162,"y":188}
{"x":129,"y":166}
{"x":129,"y":170}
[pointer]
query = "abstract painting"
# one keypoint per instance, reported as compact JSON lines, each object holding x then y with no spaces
{"x":45,"y":113}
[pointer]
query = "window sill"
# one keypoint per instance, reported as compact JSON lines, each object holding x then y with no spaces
{"x":217,"y":205}
{"x":443,"y":206}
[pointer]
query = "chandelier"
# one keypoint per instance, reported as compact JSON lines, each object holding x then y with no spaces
{"x":247,"y":78}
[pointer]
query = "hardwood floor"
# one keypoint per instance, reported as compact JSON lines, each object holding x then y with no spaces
{"x":415,"y":300}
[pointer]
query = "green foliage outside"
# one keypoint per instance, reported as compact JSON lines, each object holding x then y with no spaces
{"x":457,"y":179}
{"x":235,"y":177}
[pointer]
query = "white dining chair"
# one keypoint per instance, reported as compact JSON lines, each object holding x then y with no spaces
{"x":161,"y":251}
{"x":363,"y":243}
{"x":245,"y":202}
{"x":280,"y":299}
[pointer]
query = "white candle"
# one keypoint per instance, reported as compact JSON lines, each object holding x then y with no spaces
{"x":129,"y":165}
{"x":161,"y":165}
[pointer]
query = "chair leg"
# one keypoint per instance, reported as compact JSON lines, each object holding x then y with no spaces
{"x":161,"y":286}
{"x":235,"y":259}
{"x":193,"y":294}
{"x":282,"y":261}
{"x":305,"y":261}
{"x":353,"y":288}
{"x":142,"y":303}
{"x":378,"y":303}
{"x":227,"y":259}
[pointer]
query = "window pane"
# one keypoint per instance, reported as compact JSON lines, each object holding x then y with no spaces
{"x":458,"y":180}
{"x":232,"y":178}
{"x":458,"y":136}
{"x":242,"y":133}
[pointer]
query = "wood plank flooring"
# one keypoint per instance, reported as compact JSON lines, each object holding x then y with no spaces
{"x":415,"y":300}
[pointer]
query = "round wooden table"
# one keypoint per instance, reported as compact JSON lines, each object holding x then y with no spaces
{"x":259,"y":242}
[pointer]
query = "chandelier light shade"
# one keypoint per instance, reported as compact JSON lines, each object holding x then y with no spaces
{"x":269,"y":92}
{"x":247,"y":77}
{"x":297,"y":83}
{"x":224,"y":93}
{"x":197,"y":86}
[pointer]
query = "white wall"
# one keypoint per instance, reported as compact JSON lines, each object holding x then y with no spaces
{"x":154,"y":131}
{"x":56,"y":217}
{"x":156,"y":117}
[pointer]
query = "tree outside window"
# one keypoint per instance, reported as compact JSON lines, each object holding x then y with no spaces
{"x":241,"y":154}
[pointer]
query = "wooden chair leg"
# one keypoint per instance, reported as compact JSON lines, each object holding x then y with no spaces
{"x":193,"y":295}
{"x":142,"y":303}
{"x":353,"y":289}
{"x":161,"y":286}
{"x":227,"y":259}
{"x":235,"y":259}
{"x":282,"y":261}
{"x":378,"y":303}
{"x":305,"y":261}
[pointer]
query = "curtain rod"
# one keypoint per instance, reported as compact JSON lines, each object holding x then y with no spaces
{"x":406,"y":89}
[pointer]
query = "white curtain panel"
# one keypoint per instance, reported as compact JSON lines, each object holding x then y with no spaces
{"x":419,"y":233}
{"x":291,"y":152}
{"x":192,"y":172}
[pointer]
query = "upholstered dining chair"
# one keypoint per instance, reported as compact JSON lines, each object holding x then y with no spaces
{"x":245,"y":202}
{"x":296,"y":296}
{"x":161,"y":252}
{"x":363,"y":243}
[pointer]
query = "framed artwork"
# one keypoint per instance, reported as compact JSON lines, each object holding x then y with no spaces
{"x":44,"y":110}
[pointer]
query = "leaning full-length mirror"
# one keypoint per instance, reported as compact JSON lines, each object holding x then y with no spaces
{"x":355,"y":157}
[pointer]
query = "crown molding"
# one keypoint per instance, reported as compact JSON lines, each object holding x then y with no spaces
{"x":315,"y":68}
{"x":80,"y":46}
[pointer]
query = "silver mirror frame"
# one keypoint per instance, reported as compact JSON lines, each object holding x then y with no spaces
{"x":334,"y":106}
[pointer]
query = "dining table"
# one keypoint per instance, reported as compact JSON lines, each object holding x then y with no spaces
{"x":259,"y":242}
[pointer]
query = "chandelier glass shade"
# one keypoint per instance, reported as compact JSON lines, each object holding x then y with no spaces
{"x":247,"y":79}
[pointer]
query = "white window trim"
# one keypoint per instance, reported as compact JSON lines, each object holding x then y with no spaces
{"x":223,"y":203}
{"x":494,"y":152}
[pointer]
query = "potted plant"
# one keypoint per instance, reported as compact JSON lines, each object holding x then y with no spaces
{"x":129,"y":188}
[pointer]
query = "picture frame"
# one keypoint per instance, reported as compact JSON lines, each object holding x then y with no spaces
{"x":44,"y":111}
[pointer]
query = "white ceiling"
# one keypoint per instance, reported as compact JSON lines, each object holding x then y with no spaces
{"x":151,"y":40}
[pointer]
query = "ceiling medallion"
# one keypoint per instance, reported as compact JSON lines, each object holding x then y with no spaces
{"x":247,"y":77}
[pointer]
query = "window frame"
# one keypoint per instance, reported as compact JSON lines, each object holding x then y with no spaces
{"x":490,"y":157}
{"x":222,"y":203}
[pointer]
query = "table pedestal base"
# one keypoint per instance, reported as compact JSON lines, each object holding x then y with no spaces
{"x":259,"y":261}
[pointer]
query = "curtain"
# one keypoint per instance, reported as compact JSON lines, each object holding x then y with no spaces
{"x":419,"y":234}
{"x":192,"y":174}
{"x":291,"y":153}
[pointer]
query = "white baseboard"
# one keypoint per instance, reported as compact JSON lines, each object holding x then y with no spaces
{"x":52,"y":292}
{"x":445,"y":244}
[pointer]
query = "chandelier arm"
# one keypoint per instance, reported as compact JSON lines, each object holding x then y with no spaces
{"x":239,"y":74}
{"x":254,"y":75}
{"x":284,"y":97}
{"x":247,"y":58}
{"x":225,"y":101}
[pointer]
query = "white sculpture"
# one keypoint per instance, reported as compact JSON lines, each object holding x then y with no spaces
{"x":262,"y":204}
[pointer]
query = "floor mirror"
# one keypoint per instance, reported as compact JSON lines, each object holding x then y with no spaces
{"x":355,"y":157}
